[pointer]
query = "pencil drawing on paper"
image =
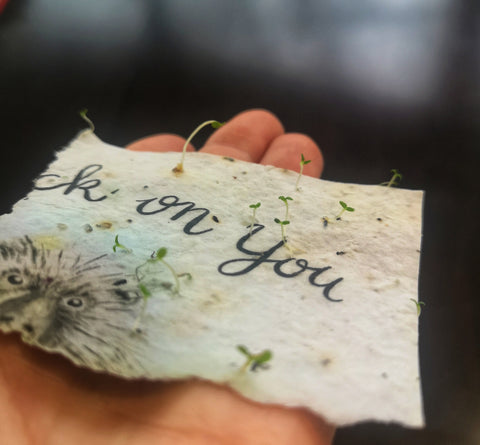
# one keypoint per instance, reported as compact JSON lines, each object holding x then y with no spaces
{"x":81,"y":307}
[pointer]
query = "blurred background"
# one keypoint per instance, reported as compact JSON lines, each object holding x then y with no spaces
{"x":379,"y":84}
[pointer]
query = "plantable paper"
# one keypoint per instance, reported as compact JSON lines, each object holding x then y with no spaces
{"x":333,"y":306}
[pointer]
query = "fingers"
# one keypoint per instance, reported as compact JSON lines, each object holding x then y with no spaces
{"x":254,"y":136}
{"x":286,"y":152}
{"x":160,"y":143}
{"x":247,"y":136}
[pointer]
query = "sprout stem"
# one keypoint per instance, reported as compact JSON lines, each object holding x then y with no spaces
{"x":118,"y":245}
{"x":393,"y":179}
{"x":213,"y":123}
{"x":303,"y":162}
{"x":284,"y":236}
{"x":83,"y":115}
{"x":254,"y":207}
{"x":254,"y":359}
{"x":177,"y":283}
{"x":345,"y":207}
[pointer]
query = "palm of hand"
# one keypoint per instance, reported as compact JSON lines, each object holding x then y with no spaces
{"x":46,"y":400}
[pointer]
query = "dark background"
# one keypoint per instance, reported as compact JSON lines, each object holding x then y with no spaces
{"x":378,"y":84}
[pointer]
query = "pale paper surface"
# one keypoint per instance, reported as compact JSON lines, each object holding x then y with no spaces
{"x":350,"y":357}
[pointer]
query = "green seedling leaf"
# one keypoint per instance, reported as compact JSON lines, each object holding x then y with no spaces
{"x":216,"y":124}
{"x":396,"y":173}
{"x":117,"y":245}
{"x":244,"y":350}
{"x":263,"y":357}
{"x":345,"y":208}
{"x":161,"y":253}
{"x":419,"y":305}
{"x":395,"y":179}
{"x":303,"y":161}
{"x":254,"y":207}
{"x":254,"y":360}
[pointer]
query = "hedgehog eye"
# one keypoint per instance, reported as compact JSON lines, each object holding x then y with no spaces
{"x":15,"y":279}
{"x":75,"y":302}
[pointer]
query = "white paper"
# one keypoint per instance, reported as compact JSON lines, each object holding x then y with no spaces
{"x":335,"y":308}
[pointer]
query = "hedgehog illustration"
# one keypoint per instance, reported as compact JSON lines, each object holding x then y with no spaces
{"x":66,"y":304}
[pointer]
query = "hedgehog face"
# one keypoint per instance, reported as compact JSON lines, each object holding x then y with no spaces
{"x":65,"y":303}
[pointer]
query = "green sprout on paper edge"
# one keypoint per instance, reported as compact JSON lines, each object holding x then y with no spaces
{"x":345,"y":208}
{"x":393,"y":181}
{"x":254,"y":207}
{"x":118,"y":245}
{"x":419,"y":305}
{"x":83,"y":115}
{"x":303,"y":162}
{"x":213,"y":123}
{"x":254,"y":360}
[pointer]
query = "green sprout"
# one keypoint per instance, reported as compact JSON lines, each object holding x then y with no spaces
{"x":285,"y":200}
{"x":83,"y":115}
{"x":285,"y":221}
{"x":419,"y":305}
{"x":393,"y":181}
{"x":345,"y":208}
{"x":117,"y":245}
{"x":213,"y":123}
{"x":303,"y":162}
{"x":158,"y":257}
{"x":282,"y":226}
{"x":254,"y":360}
{"x":254,"y":207}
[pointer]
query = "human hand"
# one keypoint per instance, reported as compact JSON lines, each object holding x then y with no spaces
{"x":46,"y":400}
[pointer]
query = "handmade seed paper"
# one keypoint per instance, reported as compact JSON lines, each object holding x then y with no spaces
{"x":334,"y":306}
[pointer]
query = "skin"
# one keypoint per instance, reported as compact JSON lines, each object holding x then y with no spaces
{"x":44,"y":399}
